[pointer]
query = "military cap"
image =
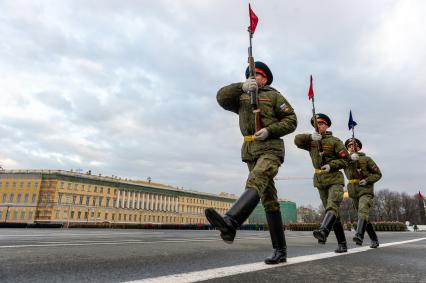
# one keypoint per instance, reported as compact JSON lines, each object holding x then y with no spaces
{"x":266,"y":71}
{"x":321,"y":118}
{"x":349,"y":141}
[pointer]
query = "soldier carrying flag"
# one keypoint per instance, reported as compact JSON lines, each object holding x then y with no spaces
{"x":328,"y":155}
{"x":265,"y":116}
{"x":362,"y":172}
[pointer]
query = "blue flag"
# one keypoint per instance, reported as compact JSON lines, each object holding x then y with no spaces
{"x":351,"y":122}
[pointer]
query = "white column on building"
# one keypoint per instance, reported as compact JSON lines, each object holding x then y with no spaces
{"x":118,"y":199}
{"x":138,"y":204}
{"x":162,"y":199}
{"x":167,"y":203}
{"x":171,"y":203}
{"x":152,"y":202}
{"x":134,"y":200}
{"x":128,"y":199}
{"x":156,"y":202}
{"x":143,"y":200}
{"x":177,"y":204}
{"x":123,"y":198}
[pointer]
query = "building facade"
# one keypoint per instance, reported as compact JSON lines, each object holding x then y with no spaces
{"x":56,"y":196}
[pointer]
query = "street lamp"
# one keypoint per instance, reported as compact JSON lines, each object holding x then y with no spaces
{"x":8,"y":204}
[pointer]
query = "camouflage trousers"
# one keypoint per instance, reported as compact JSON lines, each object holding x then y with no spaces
{"x":362,"y":205}
{"x":261,"y":179}
{"x":331,"y":197}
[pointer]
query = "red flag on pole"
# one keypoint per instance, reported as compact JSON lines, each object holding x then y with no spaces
{"x":253,"y":20}
{"x":420,"y":195}
{"x":311,"y":90}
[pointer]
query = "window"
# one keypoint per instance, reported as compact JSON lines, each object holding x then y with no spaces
{"x":1,"y":185}
{"x":33,"y":198}
{"x":112,"y":216}
{"x":82,"y":188}
{"x":60,"y":198}
{"x":15,"y":215}
{"x":11,"y":197}
{"x":100,"y":201}
{"x":18,"y":200}
{"x":75,"y":187}
{"x":14,"y":186}
{"x":81,"y":200}
{"x":36,"y":185}
{"x":4,"y":198}
{"x":94,"y":201}
{"x":102,"y":190}
{"x":106,"y":216}
{"x":79,"y":215}
{"x":7,"y":185}
{"x":21,"y":186}
{"x":107,"y":202}
{"x":96,"y":189}
{"x":87,"y":201}
{"x":62,"y":185}
{"x":1,"y":215}
{"x":72,"y":215}
{"x":89,"y":189}
{"x":86,"y":214}
{"x":57,"y":214}
{"x":73,"y":199}
{"x":109,"y":190}
{"x":28,"y":184}
{"x":30,"y":215}
{"x":69,"y":186}
{"x":26,"y":198}
{"x":99,"y":215}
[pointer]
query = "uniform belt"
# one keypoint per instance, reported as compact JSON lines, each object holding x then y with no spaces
{"x":318,"y":171}
{"x":249,"y":138}
{"x":354,"y":181}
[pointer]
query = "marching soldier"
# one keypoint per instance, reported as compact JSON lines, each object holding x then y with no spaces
{"x":263,"y":151}
{"x":328,"y":178}
{"x":362,"y":172}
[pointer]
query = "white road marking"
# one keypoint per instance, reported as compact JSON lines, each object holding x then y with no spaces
{"x":244,"y":268}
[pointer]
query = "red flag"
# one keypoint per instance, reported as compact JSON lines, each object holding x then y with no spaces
{"x":420,"y":196}
{"x":253,"y":20}
{"x":311,"y":90}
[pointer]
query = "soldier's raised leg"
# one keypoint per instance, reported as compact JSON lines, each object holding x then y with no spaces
{"x":331,"y":198}
{"x":235,"y":216}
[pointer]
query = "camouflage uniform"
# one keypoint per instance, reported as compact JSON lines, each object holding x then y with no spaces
{"x":262,"y":157}
{"x":330,"y":185}
{"x":362,"y":196}
{"x":363,"y":169}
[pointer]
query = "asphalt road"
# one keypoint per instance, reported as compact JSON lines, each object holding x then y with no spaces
{"x":104,"y":255}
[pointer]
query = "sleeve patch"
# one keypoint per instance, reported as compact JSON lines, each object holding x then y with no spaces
{"x":284,"y":107}
{"x":343,"y":153}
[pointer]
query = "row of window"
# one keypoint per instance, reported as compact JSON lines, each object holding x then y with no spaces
{"x":16,"y":184}
{"x":16,"y":215}
{"x":18,"y":199}
{"x":85,"y":187}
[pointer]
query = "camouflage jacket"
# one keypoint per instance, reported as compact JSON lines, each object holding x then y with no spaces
{"x":365,"y":168}
{"x":334,"y":154}
{"x":277,"y":117}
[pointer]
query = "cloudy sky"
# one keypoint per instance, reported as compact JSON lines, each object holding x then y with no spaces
{"x":128,"y":88}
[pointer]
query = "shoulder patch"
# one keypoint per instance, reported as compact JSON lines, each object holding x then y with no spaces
{"x":284,"y":107}
{"x":343,"y":153}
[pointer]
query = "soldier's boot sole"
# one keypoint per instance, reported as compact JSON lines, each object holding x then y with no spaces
{"x":227,"y":231}
{"x":278,"y":256}
{"x":358,"y":241}
{"x":320,"y":235}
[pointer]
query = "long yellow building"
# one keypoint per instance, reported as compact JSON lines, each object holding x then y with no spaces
{"x":57,"y":196}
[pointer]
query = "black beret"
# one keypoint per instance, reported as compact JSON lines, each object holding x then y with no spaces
{"x":265,"y":68}
{"x":321,"y":116}
{"x":348,"y":141}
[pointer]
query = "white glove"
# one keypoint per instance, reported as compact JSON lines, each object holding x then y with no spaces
{"x":355,"y":156}
{"x":261,"y":135}
{"x":326,"y":168}
{"x":250,"y":85}
{"x":363,"y":182}
{"x":316,"y":136}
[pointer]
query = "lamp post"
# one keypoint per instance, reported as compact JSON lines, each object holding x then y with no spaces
{"x":7,"y":210}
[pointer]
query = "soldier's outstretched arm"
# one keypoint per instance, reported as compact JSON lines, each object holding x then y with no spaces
{"x":342,"y":160}
{"x":376,"y":174}
{"x":303,"y":141}
{"x":229,"y":97}
{"x":287,"y":120}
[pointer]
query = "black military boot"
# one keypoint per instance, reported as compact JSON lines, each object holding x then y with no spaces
{"x":235,"y":216}
{"x":373,"y":236}
{"x":342,"y":246}
{"x":360,"y":230}
{"x":327,"y":223}
{"x":275,"y":224}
